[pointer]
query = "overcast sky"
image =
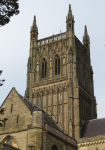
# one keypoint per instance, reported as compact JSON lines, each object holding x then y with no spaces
{"x":51,"y":18}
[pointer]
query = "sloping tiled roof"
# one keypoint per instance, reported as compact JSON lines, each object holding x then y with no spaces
{"x":29,"y":104}
{"x":93,"y":128}
{"x":50,"y":121}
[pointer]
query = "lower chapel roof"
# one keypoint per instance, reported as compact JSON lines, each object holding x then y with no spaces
{"x":93,"y":128}
{"x":50,"y":121}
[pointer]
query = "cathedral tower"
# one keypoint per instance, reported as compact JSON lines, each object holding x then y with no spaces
{"x":60,"y":77}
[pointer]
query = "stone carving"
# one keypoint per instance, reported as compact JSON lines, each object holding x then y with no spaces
{"x":37,"y":66}
{"x":50,"y":62}
{"x":63,"y":60}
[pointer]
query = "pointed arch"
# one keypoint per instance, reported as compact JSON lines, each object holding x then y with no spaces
{"x":57,"y":65}
{"x":10,"y":140}
{"x":44,"y":68}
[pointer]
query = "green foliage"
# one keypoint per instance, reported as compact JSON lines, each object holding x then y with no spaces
{"x":8,"y":8}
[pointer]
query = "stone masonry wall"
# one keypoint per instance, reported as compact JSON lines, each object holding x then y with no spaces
{"x":16,"y":131}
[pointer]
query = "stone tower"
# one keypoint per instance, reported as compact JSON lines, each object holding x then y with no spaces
{"x":60,"y":77}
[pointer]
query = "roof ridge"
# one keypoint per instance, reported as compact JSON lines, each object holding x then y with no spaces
{"x":95,"y":119}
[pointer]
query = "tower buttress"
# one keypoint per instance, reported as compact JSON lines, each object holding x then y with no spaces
{"x":31,"y":60}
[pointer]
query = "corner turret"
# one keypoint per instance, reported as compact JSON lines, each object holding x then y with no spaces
{"x":34,"y":31}
{"x":70,"y":20}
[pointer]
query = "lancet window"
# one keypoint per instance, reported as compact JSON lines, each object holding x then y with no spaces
{"x":11,"y":108}
{"x":60,"y":103}
{"x":17,"y":119}
{"x":57,"y":65}
{"x":44,"y":68}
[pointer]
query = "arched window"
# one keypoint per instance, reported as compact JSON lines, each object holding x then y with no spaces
{"x":57,"y":65}
{"x":60,"y":103}
{"x":44,"y":68}
{"x":54,"y":147}
{"x":10,"y":142}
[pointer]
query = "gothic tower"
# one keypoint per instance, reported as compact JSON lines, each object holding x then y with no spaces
{"x":60,"y":77}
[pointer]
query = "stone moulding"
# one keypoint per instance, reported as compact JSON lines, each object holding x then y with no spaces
{"x":91,"y":143}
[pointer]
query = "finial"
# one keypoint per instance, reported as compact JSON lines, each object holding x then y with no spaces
{"x":85,"y":30}
{"x":34,"y":18}
{"x":70,"y":12}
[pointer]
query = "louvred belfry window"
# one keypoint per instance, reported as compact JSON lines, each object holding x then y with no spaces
{"x":44,"y":68}
{"x":57,"y":65}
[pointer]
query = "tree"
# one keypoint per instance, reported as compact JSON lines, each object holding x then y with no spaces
{"x":8,"y":8}
{"x":1,"y":80}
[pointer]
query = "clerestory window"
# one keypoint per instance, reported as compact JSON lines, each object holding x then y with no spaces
{"x":57,"y":65}
{"x":44,"y":68}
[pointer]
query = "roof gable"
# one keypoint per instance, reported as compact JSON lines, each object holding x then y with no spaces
{"x":10,"y":93}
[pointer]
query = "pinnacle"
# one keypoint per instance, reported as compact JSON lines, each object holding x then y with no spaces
{"x":86,"y":31}
{"x":70,"y":12}
{"x":34,"y":26}
{"x":34,"y":18}
{"x":86,"y":36}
